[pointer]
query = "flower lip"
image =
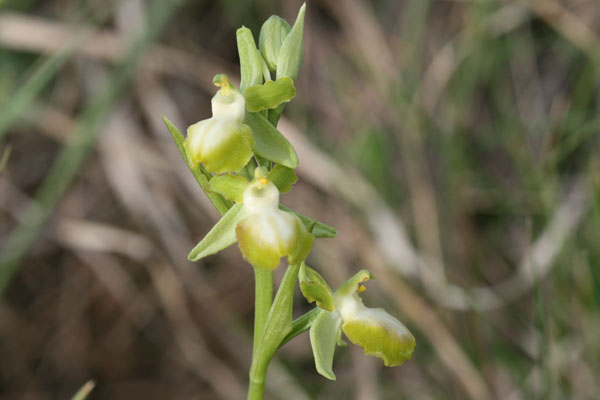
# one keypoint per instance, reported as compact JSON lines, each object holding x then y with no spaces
{"x":376,"y":331}
{"x":268,"y":233}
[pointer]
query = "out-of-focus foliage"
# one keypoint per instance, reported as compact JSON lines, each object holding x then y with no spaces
{"x":453,"y":144}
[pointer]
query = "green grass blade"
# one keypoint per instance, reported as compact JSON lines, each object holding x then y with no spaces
{"x":80,"y":142}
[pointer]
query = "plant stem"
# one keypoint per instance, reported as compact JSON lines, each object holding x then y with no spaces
{"x":263,"y":298}
{"x":278,"y":324}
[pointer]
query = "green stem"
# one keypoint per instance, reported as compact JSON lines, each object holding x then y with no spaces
{"x":276,"y":328}
{"x":263,"y":298}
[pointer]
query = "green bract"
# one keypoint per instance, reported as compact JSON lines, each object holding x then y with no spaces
{"x":268,"y":233}
{"x":377,"y":332}
{"x":272,"y":34}
{"x":269,"y":142}
{"x":251,"y":62}
{"x":291,"y":53}
{"x":222,"y":143}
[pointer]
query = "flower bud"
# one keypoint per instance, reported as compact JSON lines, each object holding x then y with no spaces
{"x":272,"y":35}
{"x":222,"y":143}
{"x":268,"y":233}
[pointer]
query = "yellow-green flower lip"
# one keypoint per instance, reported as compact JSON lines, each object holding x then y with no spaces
{"x":268,"y":233}
{"x":376,"y":331}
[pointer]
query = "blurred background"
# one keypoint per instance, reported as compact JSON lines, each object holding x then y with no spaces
{"x":454,"y":145}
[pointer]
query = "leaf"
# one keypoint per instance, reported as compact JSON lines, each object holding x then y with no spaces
{"x":270,"y":94}
{"x":229,"y":186}
{"x":269,"y":142}
{"x":324,"y":334}
{"x":283,"y":178}
{"x":251,"y":63}
{"x":289,"y":60}
{"x":291,"y":53}
{"x":177,"y":137}
{"x":315,"y":289}
{"x":221,"y":236}
{"x":317,"y":228}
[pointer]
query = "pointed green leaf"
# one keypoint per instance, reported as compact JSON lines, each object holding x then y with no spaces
{"x":316,"y":228}
{"x":229,"y":186}
{"x":270,"y":94}
{"x":269,"y":142}
{"x":315,"y":289}
{"x":283,"y":178}
{"x":221,"y":236}
{"x":177,"y":137}
{"x":251,"y":63}
{"x":291,"y":53}
{"x":290,"y":57}
{"x":324,"y":334}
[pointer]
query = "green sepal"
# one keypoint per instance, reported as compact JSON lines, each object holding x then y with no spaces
{"x":316,"y":228}
{"x":315,"y":289}
{"x":270,"y":94}
{"x":324,"y":334}
{"x":351,"y":286}
{"x":283,"y":178}
{"x":221,"y":236}
{"x":291,"y":53}
{"x":269,"y":142}
{"x":251,"y":63}
{"x":272,"y":34}
{"x":229,"y":186}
